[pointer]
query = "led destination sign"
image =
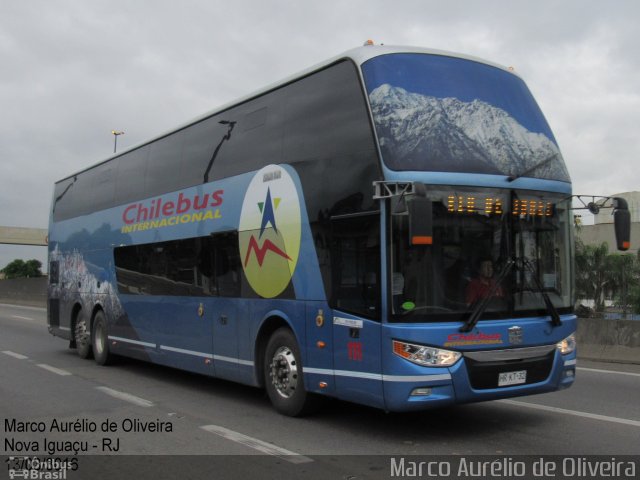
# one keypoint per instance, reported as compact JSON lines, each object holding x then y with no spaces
{"x":495,"y":206}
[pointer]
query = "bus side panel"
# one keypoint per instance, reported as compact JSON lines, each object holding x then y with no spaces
{"x":357,"y":359}
{"x":318,"y":367}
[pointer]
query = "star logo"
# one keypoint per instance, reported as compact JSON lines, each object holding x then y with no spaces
{"x":268,"y":217}
{"x":269,"y":231}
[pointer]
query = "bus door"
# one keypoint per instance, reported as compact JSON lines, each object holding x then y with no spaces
{"x":356,"y":296}
{"x":357,"y":359}
{"x":225,"y":337}
{"x":226,"y":281}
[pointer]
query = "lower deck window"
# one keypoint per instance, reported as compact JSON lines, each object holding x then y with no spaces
{"x":203,"y":266}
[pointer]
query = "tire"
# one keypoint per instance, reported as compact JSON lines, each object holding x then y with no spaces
{"x":99,"y":340}
{"x":283,"y":376}
{"x":82,"y":336}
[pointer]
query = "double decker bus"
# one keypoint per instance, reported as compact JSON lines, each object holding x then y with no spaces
{"x":392,"y":227}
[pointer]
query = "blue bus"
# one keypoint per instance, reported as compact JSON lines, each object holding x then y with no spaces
{"x":392,"y":227}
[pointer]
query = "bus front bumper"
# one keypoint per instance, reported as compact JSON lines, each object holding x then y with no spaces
{"x":476,"y":379}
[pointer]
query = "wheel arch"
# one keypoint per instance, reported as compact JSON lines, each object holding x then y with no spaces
{"x":75,"y":312}
{"x":272,"y":322}
{"x":97,"y":307}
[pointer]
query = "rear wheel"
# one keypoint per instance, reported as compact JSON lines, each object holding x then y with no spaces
{"x":99,"y":339}
{"x":283,"y":376}
{"x":81,"y":335}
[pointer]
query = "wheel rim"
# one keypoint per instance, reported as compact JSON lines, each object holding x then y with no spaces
{"x":82,"y":335}
{"x":284,"y":372}
{"x":100,"y":340}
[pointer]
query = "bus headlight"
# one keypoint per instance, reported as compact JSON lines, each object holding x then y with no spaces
{"x":426,"y":356}
{"x":567,"y":345}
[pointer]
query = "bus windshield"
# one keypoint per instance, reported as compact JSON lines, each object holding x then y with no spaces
{"x":446,"y":114}
{"x":509,"y":246}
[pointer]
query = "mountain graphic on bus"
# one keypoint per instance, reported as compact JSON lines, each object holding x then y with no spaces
{"x":269,"y":232}
{"x":422,"y":132}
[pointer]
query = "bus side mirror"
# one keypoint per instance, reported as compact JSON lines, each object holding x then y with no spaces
{"x":622,"y":223}
{"x":420,"y":221}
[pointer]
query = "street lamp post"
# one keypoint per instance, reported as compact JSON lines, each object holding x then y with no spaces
{"x":115,"y":139}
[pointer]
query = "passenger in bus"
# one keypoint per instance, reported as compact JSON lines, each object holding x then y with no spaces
{"x":481,"y":286}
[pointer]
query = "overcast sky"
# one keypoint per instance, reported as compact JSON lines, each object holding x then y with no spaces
{"x":72,"y":71}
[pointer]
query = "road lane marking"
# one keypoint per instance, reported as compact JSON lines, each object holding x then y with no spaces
{"x":608,"y":371}
{"x":258,"y":445}
{"x":23,"y":307}
{"x":593,"y":416}
{"x":15,"y":355}
{"x":127,"y":397}
{"x":23,"y":318}
{"x":55,"y":370}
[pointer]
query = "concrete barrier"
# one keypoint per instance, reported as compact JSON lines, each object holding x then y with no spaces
{"x":609,"y":340}
{"x":24,"y":291}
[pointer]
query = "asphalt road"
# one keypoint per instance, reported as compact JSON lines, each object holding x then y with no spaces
{"x":159,"y":419}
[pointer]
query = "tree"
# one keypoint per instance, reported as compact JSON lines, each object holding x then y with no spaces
{"x":601,"y":275}
{"x":624,"y":273}
{"x":592,"y":278}
{"x":19,"y":269}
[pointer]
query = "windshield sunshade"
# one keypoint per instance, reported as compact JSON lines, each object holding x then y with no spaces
{"x":446,"y":114}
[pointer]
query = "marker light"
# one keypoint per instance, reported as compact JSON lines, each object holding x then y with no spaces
{"x":426,"y":356}
{"x":421,"y":392}
{"x":567,"y":345}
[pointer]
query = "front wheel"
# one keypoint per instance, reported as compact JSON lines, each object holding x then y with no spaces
{"x":99,"y":340}
{"x":283,"y":376}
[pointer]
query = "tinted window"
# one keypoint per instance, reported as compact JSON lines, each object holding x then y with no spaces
{"x":62,"y":206}
{"x":318,"y":124}
{"x":104,"y":184}
{"x":163,"y":167}
{"x":252,"y":137}
{"x":356,"y":264}
{"x":54,"y":272}
{"x":199,"y":146}
{"x":73,"y":197}
{"x":204,"y":266}
{"x":328,"y":139}
{"x":131,"y":173}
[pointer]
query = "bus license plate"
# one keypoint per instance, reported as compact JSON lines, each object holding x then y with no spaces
{"x":512,"y":378}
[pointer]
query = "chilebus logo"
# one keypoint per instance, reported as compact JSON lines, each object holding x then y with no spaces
{"x":269,"y":231}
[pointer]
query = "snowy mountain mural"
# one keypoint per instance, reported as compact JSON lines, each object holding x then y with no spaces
{"x":420,"y":132}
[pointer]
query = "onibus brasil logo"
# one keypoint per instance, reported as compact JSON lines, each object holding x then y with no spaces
{"x":269,"y":231}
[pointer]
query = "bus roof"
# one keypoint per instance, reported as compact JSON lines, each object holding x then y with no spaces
{"x":358,"y":55}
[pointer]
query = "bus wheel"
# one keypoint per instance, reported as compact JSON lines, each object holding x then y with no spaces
{"x":283,"y":375}
{"x":81,"y":336}
{"x":99,"y":339}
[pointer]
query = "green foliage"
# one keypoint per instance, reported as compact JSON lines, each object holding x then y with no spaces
{"x":601,"y":275}
{"x":591,"y":277}
{"x":20,"y":269}
{"x":634,"y":298}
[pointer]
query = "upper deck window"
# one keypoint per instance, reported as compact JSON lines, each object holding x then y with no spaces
{"x":446,"y":114}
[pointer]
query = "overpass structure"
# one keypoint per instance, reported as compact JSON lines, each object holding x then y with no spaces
{"x":23,"y":236}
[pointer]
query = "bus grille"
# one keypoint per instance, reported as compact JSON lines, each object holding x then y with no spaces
{"x":484,"y":369}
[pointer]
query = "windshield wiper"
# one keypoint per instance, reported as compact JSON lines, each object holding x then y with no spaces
{"x":555,"y":316}
{"x":511,"y":178}
{"x":482,"y":304}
